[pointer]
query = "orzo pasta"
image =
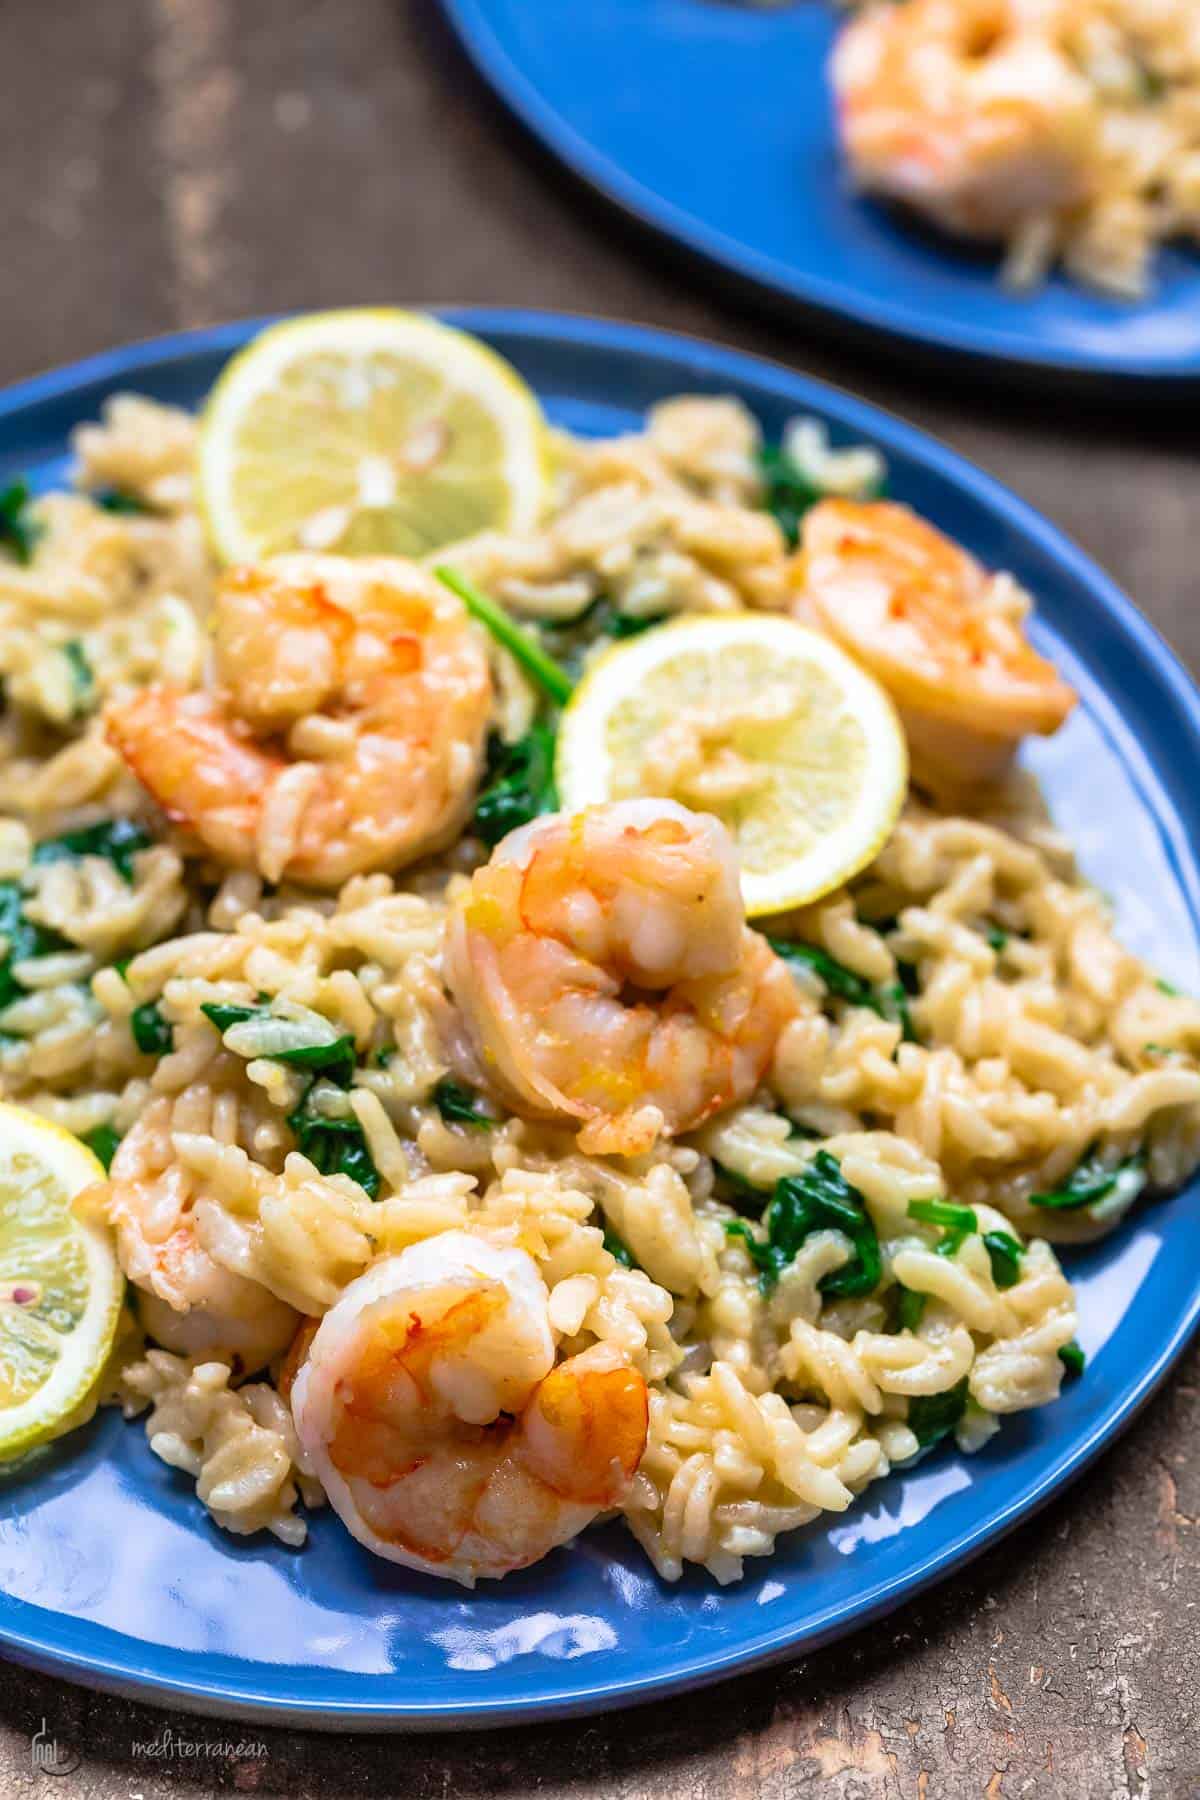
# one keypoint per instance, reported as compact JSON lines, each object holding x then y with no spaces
{"x":429,"y":1158}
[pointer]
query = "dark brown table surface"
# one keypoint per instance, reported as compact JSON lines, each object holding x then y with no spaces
{"x":166,"y":163}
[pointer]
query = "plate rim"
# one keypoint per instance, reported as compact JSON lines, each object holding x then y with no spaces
{"x":773,"y":283}
{"x":133,"y":1674}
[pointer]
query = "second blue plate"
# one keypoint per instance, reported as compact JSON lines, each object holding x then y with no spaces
{"x":711,"y":122}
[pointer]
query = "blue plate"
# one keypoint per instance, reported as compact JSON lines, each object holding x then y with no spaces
{"x":110,"y":1571}
{"x":711,"y":122}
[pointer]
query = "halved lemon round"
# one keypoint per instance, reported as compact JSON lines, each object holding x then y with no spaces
{"x":368,"y":432}
{"x":756,"y":719}
{"x":60,"y":1284}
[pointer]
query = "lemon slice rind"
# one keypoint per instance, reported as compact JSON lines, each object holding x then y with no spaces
{"x":84,"y":1349}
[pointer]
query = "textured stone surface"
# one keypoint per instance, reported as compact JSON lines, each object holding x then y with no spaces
{"x":172,"y":162}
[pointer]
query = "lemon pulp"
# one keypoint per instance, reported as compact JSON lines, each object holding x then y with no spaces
{"x":758,"y":720}
{"x":368,"y":431}
{"x":60,"y":1285}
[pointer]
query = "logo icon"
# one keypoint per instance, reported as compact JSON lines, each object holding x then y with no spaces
{"x":47,"y":1758}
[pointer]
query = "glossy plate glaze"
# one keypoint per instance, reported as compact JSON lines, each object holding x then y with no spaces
{"x":711,"y":122}
{"x":110,"y":1571}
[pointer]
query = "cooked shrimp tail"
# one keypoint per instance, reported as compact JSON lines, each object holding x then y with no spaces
{"x":205,"y":778}
{"x":346,"y":729}
{"x":446,"y":1437}
{"x":607,"y":977}
{"x":969,"y":111}
{"x":186,"y":1300}
{"x":941,"y":634}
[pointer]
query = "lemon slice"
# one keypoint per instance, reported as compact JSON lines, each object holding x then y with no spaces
{"x":60,"y":1284}
{"x":367,"y":432}
{"x":758,"y":720}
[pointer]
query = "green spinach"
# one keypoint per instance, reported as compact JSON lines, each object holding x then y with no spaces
{"x":957,"y":1223}
{"x":542,"y":669}
{"x":19,"y":530}
{"x":102,"y":1141}
{"x":604,"y":619}
{"x":23,"y":940}
{"x":1092,"y":1182}
{"x":910,"y":1308}
{"x":932,"y":1417}
{"x":83,"y":681}
{"x":331,"y":1057}
{"x":117,"y":500}
{"x":618,"y":1249}
{"x":152,"y":1031}
{"x":334,"y":1146}
{"x":460,"y":1105}
{"x":818,"y":1199}
{"x":1004,"y":1253}
{"x":520,"y":784}
{"x":117,"y":840}
{"x":890,"y":1000}
{"x":787,"y":493}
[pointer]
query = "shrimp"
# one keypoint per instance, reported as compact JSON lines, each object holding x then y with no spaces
{"x":936,"y":630}
{"x":187,"y":1302}
{"x":970,"y":111}
{"x":605,"y":973}
{"x":444,"y":1435}
{"x":346,"y":730}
